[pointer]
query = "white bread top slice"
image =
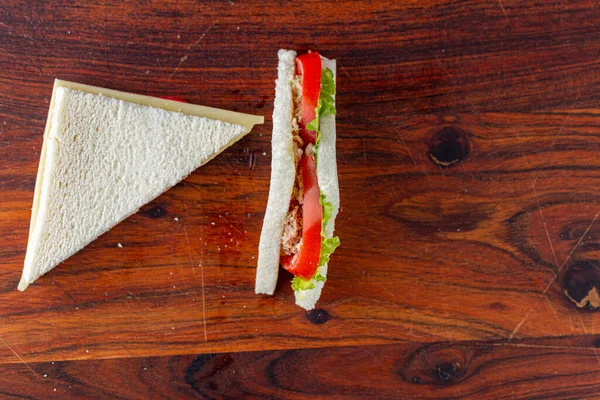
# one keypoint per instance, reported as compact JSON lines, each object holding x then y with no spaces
{"x":328,"y":183}
{"x":104,"y":157}
{"x":283,"y":173}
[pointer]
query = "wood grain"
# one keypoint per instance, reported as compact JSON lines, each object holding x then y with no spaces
{"x":563,"y":368}
{"x":468,"y":161}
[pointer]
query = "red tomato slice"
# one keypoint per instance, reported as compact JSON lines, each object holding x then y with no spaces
{"x":304,"y":263}
{"x":173,"y":98}
{"x":309,"y":66}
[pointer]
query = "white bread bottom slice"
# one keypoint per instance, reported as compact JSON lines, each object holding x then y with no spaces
{"x":283,"y":173}
{"x":103,"y":158}
{"x":327,"y":177}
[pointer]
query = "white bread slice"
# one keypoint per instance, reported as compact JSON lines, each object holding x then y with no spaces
{"x":328,"y":183}
{"x":104,"y":157}
{"x":283,"y":173}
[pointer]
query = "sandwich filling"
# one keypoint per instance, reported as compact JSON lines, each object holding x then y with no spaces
{"x":304,"y":246}
{"x":292,"y":225}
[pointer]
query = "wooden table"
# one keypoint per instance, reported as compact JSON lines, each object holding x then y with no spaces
{"x":468,"y":142}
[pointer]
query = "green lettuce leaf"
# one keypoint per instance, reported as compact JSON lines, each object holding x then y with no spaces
{"x":300,"y":284}
{"x":327,"y":93}
{"x":314,"y":124}
{"x":328,"y":246}
{"x":325,"y":106}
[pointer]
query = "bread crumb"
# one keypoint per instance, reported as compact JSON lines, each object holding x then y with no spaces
{"x":176,"y":219}
{"x":87,"y":351}
{"x":264,"y":153}
{"x":212,"y":223}
{"x":45,"y":375}
{"x":119,"y":245}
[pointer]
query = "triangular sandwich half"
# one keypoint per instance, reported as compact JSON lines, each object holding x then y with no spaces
{"x":107,"y":153}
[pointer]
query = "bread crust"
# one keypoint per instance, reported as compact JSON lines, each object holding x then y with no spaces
{"x":283,"y":173}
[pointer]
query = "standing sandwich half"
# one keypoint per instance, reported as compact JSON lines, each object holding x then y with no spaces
{"x":304,"y":195}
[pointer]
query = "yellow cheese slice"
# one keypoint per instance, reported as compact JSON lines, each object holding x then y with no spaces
{"x":233,"y":117}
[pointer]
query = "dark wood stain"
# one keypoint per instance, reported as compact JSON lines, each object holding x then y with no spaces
{"x":581,"y":283}
{"x":317,"y":316}
{"x":447,"y":372}
{"x":468,"y":142}
{"x":449,"y":146}
{"x":156,"y":212}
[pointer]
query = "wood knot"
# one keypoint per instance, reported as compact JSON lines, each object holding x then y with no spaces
{"x":582,"y":283}
{"x":203,"y":374}
{"x":449,"y":146}
{"x":447,"y":372}
{"x":317,"y":316}
{"x":437,"y":364}
{"x":156,"y":212}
